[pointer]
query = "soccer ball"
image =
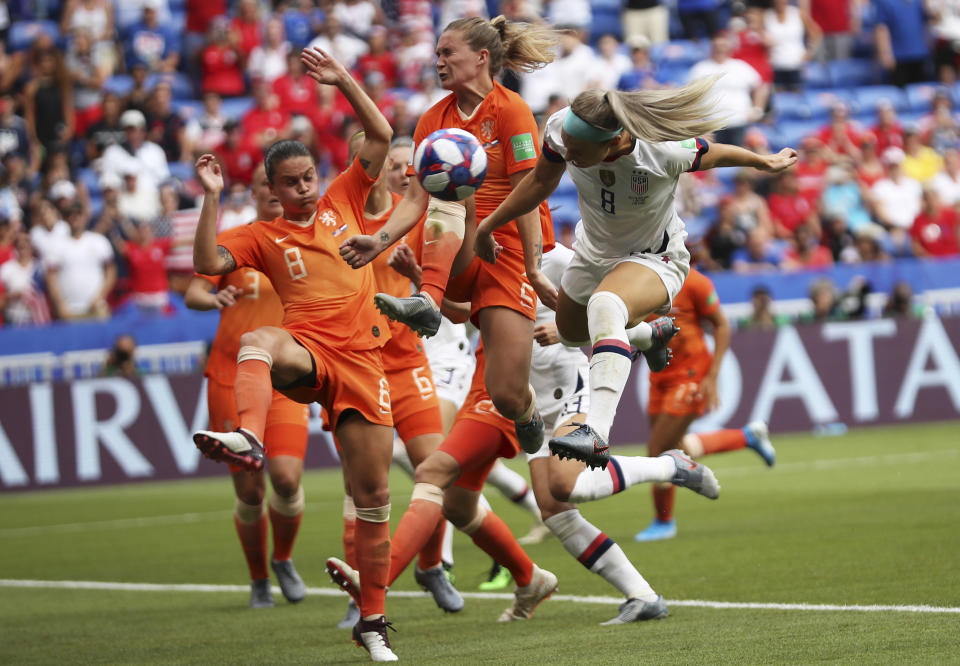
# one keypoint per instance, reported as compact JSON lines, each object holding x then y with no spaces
{"x":450,"y":164}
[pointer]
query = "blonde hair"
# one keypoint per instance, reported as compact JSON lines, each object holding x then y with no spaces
{"x":653,"y":115}
{"x":521,"y":47}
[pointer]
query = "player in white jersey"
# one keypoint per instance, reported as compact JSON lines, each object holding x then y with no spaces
{"x":560,"y":378}
{"x":625,"y":152}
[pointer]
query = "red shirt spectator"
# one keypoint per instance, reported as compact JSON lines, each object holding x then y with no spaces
{"x":811,"y":170}
{"x":888,"y":132}
{"x":749,"y":45}
{"x":221,"y":70}
{"x":832,"y":16}
{"x":296,"y":92}
{"x":841,"y":136}
{"x":238,"y":155}
{"x":379,"y":58}
{"x":247,"y":26}
{"x":201,"y":13}
{"x":265,"y":122}
{"x":935,"y":230}
{"x":149,"y":287}
{"x":789,"y":207}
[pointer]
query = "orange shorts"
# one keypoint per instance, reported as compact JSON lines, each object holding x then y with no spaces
{"x":475,"y":445}
{"x":677,"y":398}
{"x":416,"y":410}
{"x":346,"y":379}
{"x":286,"y":431}
{"x":502,"y":284}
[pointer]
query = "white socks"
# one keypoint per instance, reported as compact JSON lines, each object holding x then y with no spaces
{"x":514,"y":487}
{"x":611,"y":360}
{"x":600,"y":554}
{"x":641,"y":336}
{"x":621,"y":473}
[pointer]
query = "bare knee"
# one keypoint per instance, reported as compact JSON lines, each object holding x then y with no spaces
{"x":439,"y":469}
{"x":560,"y":488}
{"x":249,"y":487}
{"x":285,"y":483}
{"x":458,"y":513}
{"x":511,"y":397}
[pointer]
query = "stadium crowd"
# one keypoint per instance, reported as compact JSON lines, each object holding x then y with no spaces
{"x":104,"y":106}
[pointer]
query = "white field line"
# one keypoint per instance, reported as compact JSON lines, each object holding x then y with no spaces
{"x":181,"y":518}
{"x":332,"y":592}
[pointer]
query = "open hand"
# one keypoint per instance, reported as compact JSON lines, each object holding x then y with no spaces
{"x":785,"y":159}
{"x":210,"y":174}
{"x":321,"y":67}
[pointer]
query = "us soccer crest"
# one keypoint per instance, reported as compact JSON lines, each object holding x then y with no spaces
{"x":608,"y":178}
{"x":486,"y":130}
{"x":638,"y":182}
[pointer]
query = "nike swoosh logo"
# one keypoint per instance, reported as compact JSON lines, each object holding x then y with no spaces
{"x":280,"y":240}
{"x":431,"y":242}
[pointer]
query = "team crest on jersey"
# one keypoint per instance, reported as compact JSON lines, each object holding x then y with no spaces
{"x":608,"y":178}
{"x":638,"y":182}
{"x":487,"y":130}
{"x":328,"y":218}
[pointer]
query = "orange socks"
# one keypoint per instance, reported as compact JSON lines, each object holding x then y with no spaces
{"x":496,"y":540}
{"x":373,"y":560}
{"x":431,"y":553}
{"x":253,"y":540}
{"x":417,"y":527}
{"x":438,"y":256}
{"x":285,"y":530}
{"x":253,"y":392}
{"x":349,"y":542}
{"x":722,"y":440}
{"x":663,"y":502}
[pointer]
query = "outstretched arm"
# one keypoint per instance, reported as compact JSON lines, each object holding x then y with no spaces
{"x":535,"y":187}
{"x":199,"y":297}
{"x":377,"y":131}
{"x":725,"y":155}
{"x":208,"y":257}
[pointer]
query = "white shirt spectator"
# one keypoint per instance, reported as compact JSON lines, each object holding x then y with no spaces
{"x":139,"y":200}
{"x":45,"y":240}
{"x":947,"y":25}
{"x":149,"y":161}
{"x":733,"y":89}
{"x":900,"y":201}
{"x":16,"y":280}
{"x":343,"y":47}
{"x":787,"y":51}
{"x":129,"y":12}
{"x":267,"y":63}
{"x":578,"y":70}
{"x":947,"y":188}
{"x":451,"y":10}
{"x":570,"y":13}
{"x":357,"y":17}
{"x":79,"y":263}
{"x":230,"y":217}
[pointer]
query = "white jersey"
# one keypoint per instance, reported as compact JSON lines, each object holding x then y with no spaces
{"x":450,"y":354}
{"x":627,"y":204}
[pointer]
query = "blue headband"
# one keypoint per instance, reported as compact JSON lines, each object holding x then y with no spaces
{"x":579,"y":128}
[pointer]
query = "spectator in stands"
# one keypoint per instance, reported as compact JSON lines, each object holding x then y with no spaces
{"x":94,"y":16}
{"x":843,"y":204}
{"x":268,"y":61}
{"x":811,"y":169}
{"x":111,"y":220}
{"x":107,"y":130}
{"x":129,"y":12}
{"x":920,"y":162}
{"x":699,"y":18}
{"x":896,"y":201}
{"x":642,"y":74}
{"x":572,"y":14}
{"x":947,"y":182}
{"x":237,"y":208}
{"x":429,"y":93}
{"x":611,"y":61}
{"x":13,"y":130}
{"x":826,"y":302}
{"x":376,"y":88}
{"x":136,"y":152}
{"x":646,"y":18}
{"x":793,"y":37}
{"x":246,"y":27}
{"x":205,"y":132}
{"x":12,"y":196}
{"x":748,"y":209}
{"x":47,"y":230}
{"x":302,"y":19}
{"x":11,"y":69}
{"x":165,"y":127}
{"x":358,"y":16}
{"x":150,"y":43}
{"x":200,"y":17}
{"x":88,"y":75}
{"x":760,"y":254}
{"x":945,"y":27}
{"x":338,"y":44}
{"x":415,"y":54}
{"x":7,"y":236}
{"x":146,"y":257}
{"x":22,"y":297}
{"x":750,"y":42}
{"x":805,"y":251}
{"x":221,"y":63}
{"x":81,"y":272}
{"x":265,"y":122}
{"x":296,"y":92}
{"x":138,"y":197}
{"x":789,"y":208}
{"x":64,"y":194}
{"x":901,"y":37}
{"x":870,"y":169}
{"x":867,"y":247}
{"x":900,"y":302}
{"x":238,"y":154}
{"x":741,"y":94}
{"x":48,"y":99}
{"x":888,"y":131}
{"x":841,"y":136}
{"x":935,"y":231}
{"x":762,"y":316}
{"x":940,"y":130}
{"x":379,"y":58}
{"x":121,"y":361}
{"x":839,"y":21}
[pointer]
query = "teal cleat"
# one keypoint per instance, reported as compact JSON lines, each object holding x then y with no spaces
{"x":658,"y":530}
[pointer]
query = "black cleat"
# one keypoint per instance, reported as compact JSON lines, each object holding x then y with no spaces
{"x":414,"y":311}
{"x":530,"y":434}
{"x":583,"y":444}
{"x":658,"y":355}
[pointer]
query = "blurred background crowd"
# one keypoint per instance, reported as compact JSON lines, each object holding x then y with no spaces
{"x":105,"y":104}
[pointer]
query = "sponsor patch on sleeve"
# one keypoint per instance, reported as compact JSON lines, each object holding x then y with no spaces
{"x":523,"y":147}
{"x":689,"y":143}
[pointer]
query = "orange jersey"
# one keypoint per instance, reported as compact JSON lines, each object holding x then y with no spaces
{"x":324,"y":299}
{"x":257,"y":305}
{"x":691,"y":356}
{"x":479,"y":407}
{"x":505,"y":126}
{"x":405,"y":349}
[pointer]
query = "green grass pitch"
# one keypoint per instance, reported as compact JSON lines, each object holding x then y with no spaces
{"x":869,"y":518}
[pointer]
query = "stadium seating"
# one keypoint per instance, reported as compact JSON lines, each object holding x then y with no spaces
{"x":234,"y":107}
{"x":180,"y":85}
{"x":119,"y":84}
{"x":854,"y":72}
{"x":869,"y":97}
{"x":816,"y":75}
{"x":24,"y":33}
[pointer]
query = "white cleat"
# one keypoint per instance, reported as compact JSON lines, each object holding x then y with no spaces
{"x":371,"y":635}
{"x":526,"y":599}
{"x":758,"y":439}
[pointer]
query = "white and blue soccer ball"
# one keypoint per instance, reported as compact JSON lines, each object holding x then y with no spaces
{"x":450,"y":164}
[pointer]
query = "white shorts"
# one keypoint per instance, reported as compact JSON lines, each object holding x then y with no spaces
{"x":557,"y":411}
{"x":585,"y":271}
{"x":452,"y":374}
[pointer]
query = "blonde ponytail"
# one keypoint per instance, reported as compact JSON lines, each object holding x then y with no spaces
{"x":521,"y":47}
{"x":654,"y":115}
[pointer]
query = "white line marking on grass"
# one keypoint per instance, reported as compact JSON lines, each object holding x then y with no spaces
{"x":840,"y":463}
{"x":331,"y":592}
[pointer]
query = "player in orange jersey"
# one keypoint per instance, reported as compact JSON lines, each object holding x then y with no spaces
{"x":470,"y":52}
{"x":686,"y":389}
{"x":247,"y":301}
{"x":328,"y":349}
{"x":448,"y":483}
{"x":416,"y":410}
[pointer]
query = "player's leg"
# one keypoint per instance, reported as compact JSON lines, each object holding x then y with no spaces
{"x":506,"y":336}
{"x":286,"y":511}
{"x":516,"y":489}
{"x":352,"y":614}
{"x":268,"y":356}
{"x":754,"y":435}
{"x":251,"y":525}
{"x":666,"y":432}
